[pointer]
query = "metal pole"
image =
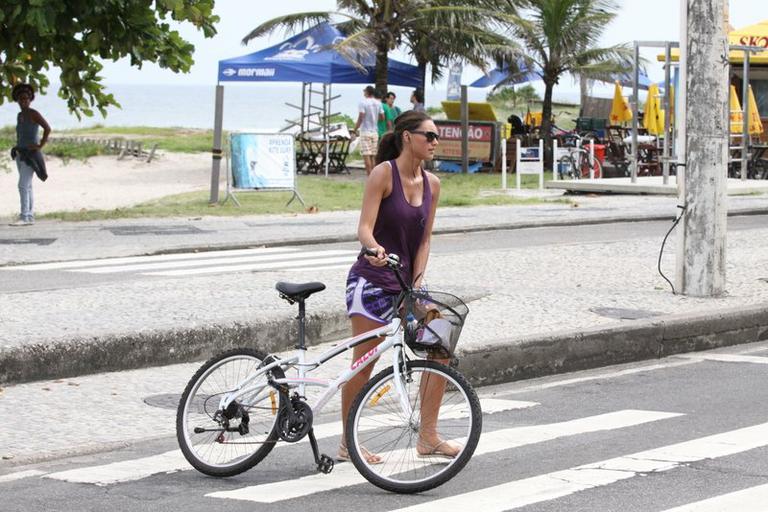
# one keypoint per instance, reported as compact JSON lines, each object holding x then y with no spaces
{"x":667,"y":113}
{"x":216,"y":150}
{"x":518,"y":151}
{"x":326,"y":121}
{"x":304,"y":127}
{"x":464,"y":131}
{"x":745,"y":115}
{"x":635,"y":80}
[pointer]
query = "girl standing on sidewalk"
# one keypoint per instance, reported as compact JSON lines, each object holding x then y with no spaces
{"x":399,"y":205}
{"x":29,"y":158}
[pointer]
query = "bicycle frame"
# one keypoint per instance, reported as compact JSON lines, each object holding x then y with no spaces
{"x":393,"y":334}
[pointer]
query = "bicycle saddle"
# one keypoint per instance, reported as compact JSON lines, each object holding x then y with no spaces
{"x":298,"y":291}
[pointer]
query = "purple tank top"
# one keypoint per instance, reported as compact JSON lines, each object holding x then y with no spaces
{"x":399,"y":229}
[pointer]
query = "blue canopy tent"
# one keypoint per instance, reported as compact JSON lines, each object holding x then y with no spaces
{"x":307,"y":58}
{"x":501,"y":74}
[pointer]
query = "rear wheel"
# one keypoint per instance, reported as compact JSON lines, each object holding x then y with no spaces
{"x":227,"y":442}
{"x":378,"y":425}
{"x":583,"y":165}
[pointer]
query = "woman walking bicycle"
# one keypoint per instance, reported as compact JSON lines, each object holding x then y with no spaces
{"x":398,"y":212}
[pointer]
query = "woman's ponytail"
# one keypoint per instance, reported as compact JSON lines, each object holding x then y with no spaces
{"x":390,"y":147}
{"x":391,"y":143}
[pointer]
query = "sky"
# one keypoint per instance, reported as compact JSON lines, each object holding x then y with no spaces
{"x":648,"y":20}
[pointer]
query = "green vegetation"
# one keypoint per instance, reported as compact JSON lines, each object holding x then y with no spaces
{"x":433,"y":111}
{"x":181,"y":140}
{"x":512,"y":98}
{"x":73,"y":150}
{"x":336,"y":193}
{"x":74,"y":36}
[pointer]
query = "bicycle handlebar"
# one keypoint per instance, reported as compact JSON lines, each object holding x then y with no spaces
{"x":393,"y":262}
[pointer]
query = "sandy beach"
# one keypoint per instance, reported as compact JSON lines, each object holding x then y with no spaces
{"x":104,"y":182}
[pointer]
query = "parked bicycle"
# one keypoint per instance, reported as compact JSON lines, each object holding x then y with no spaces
{"x":241,"y":403}
{"x":578,"y":162}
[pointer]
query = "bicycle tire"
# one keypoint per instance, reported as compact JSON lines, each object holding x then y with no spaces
{"x":199,"y":403}
{"x":583,"y":165}
{"x":376,"y":423}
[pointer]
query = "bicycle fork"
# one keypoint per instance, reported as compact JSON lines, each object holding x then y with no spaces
{"x":400,"y":377}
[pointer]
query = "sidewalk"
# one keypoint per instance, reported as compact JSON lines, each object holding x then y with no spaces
{"x":534,"y":310}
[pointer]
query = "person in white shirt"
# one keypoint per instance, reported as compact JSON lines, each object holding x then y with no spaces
{"x":369,"y":113}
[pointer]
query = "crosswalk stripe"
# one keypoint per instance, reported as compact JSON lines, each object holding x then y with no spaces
{"x":345,"y":474}
{"x":20,"y":474}
{"x":555,"y":485}
{"x":159,"y":257}
{"x":729,"y":358}
{"x":171,"y":461}
{"x":253,"y":266}
{"x":228,"y":261}
{"x":125,"y":471}
{"x":753,"y":499}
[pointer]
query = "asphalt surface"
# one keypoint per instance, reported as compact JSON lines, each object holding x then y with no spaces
{"x":544,"y":298}
{"x":638,"y":437}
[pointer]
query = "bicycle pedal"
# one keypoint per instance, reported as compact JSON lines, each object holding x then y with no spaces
{"x":325,"y":465}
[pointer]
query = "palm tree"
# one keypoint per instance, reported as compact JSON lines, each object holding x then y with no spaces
{"x":451,"y":35}
{"x":560,"y":37}
{"x":432,"y":30}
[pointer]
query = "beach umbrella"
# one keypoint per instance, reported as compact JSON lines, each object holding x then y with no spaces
{"x":620,"y":111}
{"x":653,"y":118}
{"x":737,"y":116}
{"x":755,"y":123}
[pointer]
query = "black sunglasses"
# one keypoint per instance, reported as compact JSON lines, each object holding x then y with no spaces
{"x":431,"y":136}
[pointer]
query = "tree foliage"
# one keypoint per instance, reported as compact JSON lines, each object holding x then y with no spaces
{"x":74,"y":36}
{"x":433,"y":31}
{"x":513,"y":97}
{"x":562,"y":37}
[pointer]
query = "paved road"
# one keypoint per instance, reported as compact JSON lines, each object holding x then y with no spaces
{"x":301,"y":262}
{"x":685,"y":433}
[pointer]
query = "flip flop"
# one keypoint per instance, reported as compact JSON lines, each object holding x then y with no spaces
{"x":438,"y":451}
{"x":343,"y":455}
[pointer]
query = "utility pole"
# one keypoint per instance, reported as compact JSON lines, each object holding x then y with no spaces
{"x":704,"y":54}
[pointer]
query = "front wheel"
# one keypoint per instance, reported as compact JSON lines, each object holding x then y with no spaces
{"x":442,"y":403}
{"x":227,"y":442}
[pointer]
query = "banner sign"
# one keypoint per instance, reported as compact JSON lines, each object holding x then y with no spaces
{"x":482,"y":141}
{"x":263,"y":160}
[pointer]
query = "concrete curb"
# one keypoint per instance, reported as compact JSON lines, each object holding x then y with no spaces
{"x":645,"y":339}
{"x":81,"y":356}
{"x":494,"y":363}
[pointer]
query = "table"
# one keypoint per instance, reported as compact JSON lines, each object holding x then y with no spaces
{"x":311,"y":155}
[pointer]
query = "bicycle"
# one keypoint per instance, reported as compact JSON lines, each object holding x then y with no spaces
{"x":577,"y":164}
{"x":239,"y":404}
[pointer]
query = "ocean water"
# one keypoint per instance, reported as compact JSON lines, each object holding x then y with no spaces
{"x":260,"y":106}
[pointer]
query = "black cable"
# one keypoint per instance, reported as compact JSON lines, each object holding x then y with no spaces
{"x":661,"y":251}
